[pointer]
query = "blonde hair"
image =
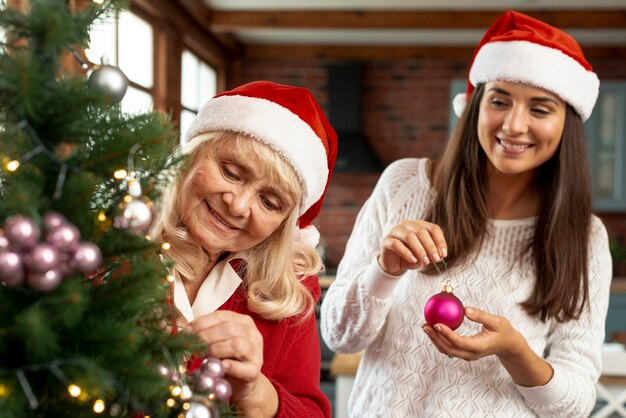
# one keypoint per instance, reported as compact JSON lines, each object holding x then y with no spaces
{"x":274,"y":269}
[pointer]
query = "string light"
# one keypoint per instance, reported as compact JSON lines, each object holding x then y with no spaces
{"x":186,"y":393}
{"x":166,"y":246}
{"x":170,"y":402}
{"x":98,"y":406}
{"x":3,"y":390}
{"x":98,"y":1}
{"x":170,"y":278}
{"x":186,"y":406}
{"x":10,"y":164}
{"x":120,"y":174}
{"x":128,"y":198}
{"x":176,"y":391}
{"x":74,"y":390}
{"x":102,"y":216}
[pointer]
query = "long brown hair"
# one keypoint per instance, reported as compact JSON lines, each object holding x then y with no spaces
{"x":560,"y":243}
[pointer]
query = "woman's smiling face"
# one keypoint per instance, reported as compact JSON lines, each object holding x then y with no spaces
{"x":519,"y":126}
{"x":228,"y":203}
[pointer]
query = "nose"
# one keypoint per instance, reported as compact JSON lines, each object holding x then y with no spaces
{"x":239,"y":201}
{"x":516,"y":120}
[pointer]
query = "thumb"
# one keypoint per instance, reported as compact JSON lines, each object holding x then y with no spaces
{"x":482,"y":317}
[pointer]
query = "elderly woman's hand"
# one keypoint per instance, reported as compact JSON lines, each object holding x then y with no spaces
{"x":236,"y":341}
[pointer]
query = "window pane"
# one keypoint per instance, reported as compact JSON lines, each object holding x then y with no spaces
{"x":198,"y":81}
{"x":207,"y":84}
{"x":607,"y":152}
{"x":186,"y":117}
{"x":135,"y":49}
{"x":102,"y":41}
{"x":189,"y":81}
{"x":136,"y":101}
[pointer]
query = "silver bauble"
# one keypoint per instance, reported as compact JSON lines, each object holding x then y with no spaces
{"x":111,"y":80}
{"x":197,"y":410}
{"x":136,"y":216}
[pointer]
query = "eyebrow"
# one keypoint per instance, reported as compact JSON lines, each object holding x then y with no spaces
{"x":542,"y":99}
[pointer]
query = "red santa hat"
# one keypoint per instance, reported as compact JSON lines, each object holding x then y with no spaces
{"x":519,"y":48}
{"x":286,"y":118}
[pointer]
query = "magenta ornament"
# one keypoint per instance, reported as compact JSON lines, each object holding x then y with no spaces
{"x":53,"y":220}
{"x":65,"y":237}
{"x":222,"y":390}
{"x":87,"y":257}
{"x":444,"y":308}
{"x":11,"y":268}
{"x":21,"y":232}
{"x":45,"y":282}
{"x":41,"y":258}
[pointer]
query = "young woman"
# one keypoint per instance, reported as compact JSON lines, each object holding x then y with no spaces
{"x":238,"y":216}
{"x":508,"y":209}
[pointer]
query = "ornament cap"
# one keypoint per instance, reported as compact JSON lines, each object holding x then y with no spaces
{"x":447,"y":288}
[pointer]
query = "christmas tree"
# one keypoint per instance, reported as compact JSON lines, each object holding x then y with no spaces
{"x":85,"y":314}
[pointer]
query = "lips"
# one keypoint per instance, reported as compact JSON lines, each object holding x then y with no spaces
{"x":510,"y":146}
{"x":219,"y":218}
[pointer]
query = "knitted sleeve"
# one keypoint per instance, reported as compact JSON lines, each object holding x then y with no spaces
{"x":574,"y":347}
{"x":358,"y":301}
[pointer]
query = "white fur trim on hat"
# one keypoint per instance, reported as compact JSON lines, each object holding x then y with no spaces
{"x":458,"y":103}
{"x":275,"y":126}
{"x":309,"y":235}
{"x":539,"y":66}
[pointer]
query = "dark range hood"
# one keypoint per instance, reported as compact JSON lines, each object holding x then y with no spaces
{"x":344,"y":111}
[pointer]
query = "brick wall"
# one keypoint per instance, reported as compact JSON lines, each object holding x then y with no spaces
{"x":405,"y":113}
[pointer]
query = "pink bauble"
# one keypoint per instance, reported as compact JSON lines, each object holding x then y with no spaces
{"x":21,"y":232}
{"x":45,"y":282}
{"x":65,"y":237}
{"x":41,"y":258}
{"x":11,"y":269}
{"x":53,"y":220}
{"x":444,"y":308}
{"x":212,"y":366}
{"x":87,"y":257}
{"x":222,"y":390}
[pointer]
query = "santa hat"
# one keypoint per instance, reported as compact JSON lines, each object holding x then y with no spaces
{"x":518,"y":48}
{"x":287,"y":119}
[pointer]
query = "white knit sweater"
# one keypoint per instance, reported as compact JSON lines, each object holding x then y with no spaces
{"x":401,"y":373}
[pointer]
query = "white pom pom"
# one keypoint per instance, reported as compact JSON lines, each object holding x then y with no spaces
{"x":309,"y":235}
{"x":459,"y":103}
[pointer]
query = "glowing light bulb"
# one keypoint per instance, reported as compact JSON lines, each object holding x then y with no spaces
{"x":13,"y":165}
{"x":74,"y":390}
{"x":176,"y":391}
{"x":120,"y":174}
{"x":166,"y":246}
{"x":128,"y":198}
{"x":102,"y":216}
{"x":98,"y":1}
{"x":170,"y":278}
{"x":170,"y":402}
{"x":186,"y":406}
{"x":98,"y":406}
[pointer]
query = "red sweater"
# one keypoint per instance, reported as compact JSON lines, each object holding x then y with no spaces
{"x":291,"y":357}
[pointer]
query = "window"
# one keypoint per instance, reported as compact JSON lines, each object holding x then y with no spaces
{"x":606,"y":135}
{"x":606,"y":138}
{"x":198,"y":84}
{"x":127,"y":42}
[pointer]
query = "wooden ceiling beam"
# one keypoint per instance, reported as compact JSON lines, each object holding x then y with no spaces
{"x":225,"y":21}
{"x":390,"y":52}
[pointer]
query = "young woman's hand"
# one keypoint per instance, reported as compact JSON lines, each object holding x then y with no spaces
{"x":236,"y":341}
{"x":497,"y":337}
{"x":412,"y":245}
